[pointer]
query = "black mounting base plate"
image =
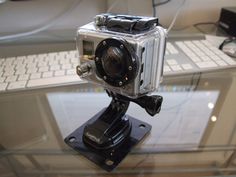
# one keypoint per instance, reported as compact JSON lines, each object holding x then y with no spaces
{"x":108,"y":159}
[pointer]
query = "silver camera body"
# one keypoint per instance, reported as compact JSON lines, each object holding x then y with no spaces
{"x":122,"y":53}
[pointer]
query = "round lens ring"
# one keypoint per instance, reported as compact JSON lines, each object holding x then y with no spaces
{"x":116,"y":62}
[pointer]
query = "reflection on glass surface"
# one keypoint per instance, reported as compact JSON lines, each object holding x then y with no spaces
{"x":210,"y":105}
{"x":179,"y":124}
{"x":194,"y":133}
{"x":21,"y":122}
{"x":213,"y":118}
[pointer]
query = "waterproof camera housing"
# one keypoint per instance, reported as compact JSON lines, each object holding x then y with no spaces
{"x":122,"y":53}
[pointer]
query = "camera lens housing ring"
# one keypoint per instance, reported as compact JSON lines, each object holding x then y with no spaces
{"x":116,"y":62}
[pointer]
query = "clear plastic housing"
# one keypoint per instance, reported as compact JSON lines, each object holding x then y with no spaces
{"x":149,"y":46}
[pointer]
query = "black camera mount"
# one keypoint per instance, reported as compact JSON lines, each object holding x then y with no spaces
{"x":109,"y":136}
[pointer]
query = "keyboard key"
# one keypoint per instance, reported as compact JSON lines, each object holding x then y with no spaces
{"x":41,"y":64}
{"x":1,"y":68}
{"x":9,"y":73}
{"x":9,"y":61}
{"x":2,"y":79}
{"x":53,"y":81}
{"x":74,"y":60}
{"x":20,"y":66}
{"x":3,"y":86}
{"x":16,"y":85}
{"x":59,"y":73}
{"x":11,"y":78}
{"x":71,"y":72}
{"x":205,"y":58}
{"x":206,"y":42}
{"x":31,"y":65}
{"x":191,"y":54}
{"x":23,"y":77}
{"x":228,"y":60}
{"x":2,"y":60}
{"x":52,"y":63}
{"x":47,"y":74}
{"x":218,"y":52}
{"x":43,"y":69}
{"x":209,"y":53}
{"x":197,"y":42}
{"x":9,"y":68}
{"x":66,"y":66}
{"x":179,"y":43}
{"x":195,"y":59}
{"x":47,"y":59}
{"x":32,"y":70}
{"x":176,"y":68}
{"x":215,"y":58}
{"x":221,"y":63}
{"x":20,"y":71}
{"x":187,"y":66}
{"x":171,"y":48}
{"x":207,"y":64}
{"x":18,"y":61}
{"x":200,"y":54}
{"x":55,"y":67}
{"x":167,"y":69}
{"x":73,"y":53}
{"x":65,"y":61}
{"x":171,"y":62}
{"x":35,"y":76}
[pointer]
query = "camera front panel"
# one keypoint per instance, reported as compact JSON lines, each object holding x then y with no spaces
{"x":112,"y":68}
{"x":114,"y":63}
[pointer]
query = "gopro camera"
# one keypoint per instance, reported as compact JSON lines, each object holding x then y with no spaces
{"x":122,"y":53}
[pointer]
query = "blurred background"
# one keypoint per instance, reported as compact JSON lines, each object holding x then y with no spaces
{"x":26,"y":15}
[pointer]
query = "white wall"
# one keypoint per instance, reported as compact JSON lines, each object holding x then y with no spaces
{"x":25,"y":15}
{"x":194,"y":10}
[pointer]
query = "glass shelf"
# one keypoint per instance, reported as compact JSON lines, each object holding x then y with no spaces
{"x":193,"y":135}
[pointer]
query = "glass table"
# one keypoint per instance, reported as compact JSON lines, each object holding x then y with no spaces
{"x":193,"y":135}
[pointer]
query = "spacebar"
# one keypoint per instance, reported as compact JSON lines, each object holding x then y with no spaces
{"x":53,"y":80}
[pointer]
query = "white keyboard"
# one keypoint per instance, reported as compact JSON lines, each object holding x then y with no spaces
{"x":42,"y":70}
{"x":193,"y":56}
{"x":58,"y":68}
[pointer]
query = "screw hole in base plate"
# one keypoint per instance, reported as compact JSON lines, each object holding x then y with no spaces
{"x":142,"y":126}
{"x":109,"y":162}
{"x":72,"y":139}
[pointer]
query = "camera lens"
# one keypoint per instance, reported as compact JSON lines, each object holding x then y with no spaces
{"x":113,"y":62}
{"x":116,"y":62}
